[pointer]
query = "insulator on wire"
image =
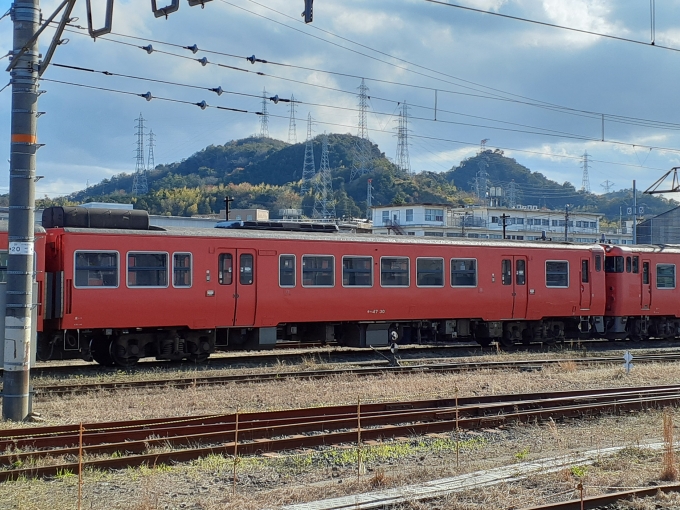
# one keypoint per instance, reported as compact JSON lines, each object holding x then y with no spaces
{"x":275,"y":99}
{"x":202,"y":105}
{"x":148,"y":49}
{"x":194,"y":48}
{"x":217,"y":91}
{"x":203,"y":61}
{"x":147,"y":96}
{"x":251,"y":59}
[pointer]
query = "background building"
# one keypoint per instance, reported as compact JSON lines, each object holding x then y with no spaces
{"x":661,"y":229}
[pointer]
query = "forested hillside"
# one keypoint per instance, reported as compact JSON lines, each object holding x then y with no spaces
{"x":266,"y":173}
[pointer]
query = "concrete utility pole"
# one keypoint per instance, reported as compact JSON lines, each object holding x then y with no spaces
{"x":504,"y":217}
{"x":23,"y":148}
{"x":635,"y":212}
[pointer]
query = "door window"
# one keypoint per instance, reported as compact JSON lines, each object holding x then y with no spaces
{"x":520,"y":273}
{"x":225,"y":272}
{"x":246,"y":269}
{"x":506,"y":272}
{"x":645,"y":273}
{"x":584,"y":271}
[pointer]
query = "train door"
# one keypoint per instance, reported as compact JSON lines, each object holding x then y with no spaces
{"x":586,"y":293}
{"x":236,"y":289}
{"x":519,"y":308}
{"x":646,"y":291}
{"x":514,"y":276}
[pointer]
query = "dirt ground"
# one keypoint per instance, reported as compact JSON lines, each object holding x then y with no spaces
{"x":273,"y":481}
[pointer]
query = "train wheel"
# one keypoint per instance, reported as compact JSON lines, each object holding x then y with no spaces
{"x":125,"y":356}
{"x":506,"y":340}
{"x":99,"y":348}
{"x":198,"y":358}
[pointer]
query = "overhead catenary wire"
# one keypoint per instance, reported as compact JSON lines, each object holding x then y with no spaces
{"x":148,"y":96}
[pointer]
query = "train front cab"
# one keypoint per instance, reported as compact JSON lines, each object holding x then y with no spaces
{"x":642,"y":299}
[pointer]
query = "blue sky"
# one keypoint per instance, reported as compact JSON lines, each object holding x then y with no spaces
{"x":494,"y":77}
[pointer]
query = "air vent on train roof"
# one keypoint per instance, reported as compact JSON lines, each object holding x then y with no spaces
{"x":282,"y":226}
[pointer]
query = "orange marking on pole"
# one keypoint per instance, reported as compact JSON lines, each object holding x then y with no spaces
{"x":24,"y":138}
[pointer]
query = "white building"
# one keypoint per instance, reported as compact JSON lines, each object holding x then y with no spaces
{"x":527,"y":223}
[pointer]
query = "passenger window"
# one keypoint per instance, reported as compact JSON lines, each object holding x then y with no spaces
{"x":557,"y":273}
{"x":357,"y":271}
{"x":506,"y":272}
{"x":520,"y":275}
{"x":287,"y":271}
{"x":598,"y":263}
{"x":584,"y":271}
{"x":147,"y":269}
{"x":628,"y":265}
{"x":181,"y":269}
{"x":645,"y":273}
{"x":394,"y":272}
{"x":636,"y":264}
{"x":463,"y":273}
{"x":317,"y":271}
{"x":430,"y":272}
{"x":665,"y":276}
{"x":246,"y":269}
{"x":93,"y":269}
{"x":225,"y":271}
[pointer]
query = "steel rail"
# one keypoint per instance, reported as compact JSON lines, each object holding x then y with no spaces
{"x":381,"y":368}
{"x":284,"y":430}
{"x":594,"y":502}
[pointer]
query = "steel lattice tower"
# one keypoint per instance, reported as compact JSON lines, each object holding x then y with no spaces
{"x":585,"y":182}
{"x":139,"y":185}
{"x":513,"y":194}
{"x":264,"y":119}
{"x":362,"y":151}
{"x":369,"y":198}
{"x":151,"y":161}
{"x":309,"y":168}
{"x":324,"y":205}
{"x":402,"y":159}
{"x":292,"y":129}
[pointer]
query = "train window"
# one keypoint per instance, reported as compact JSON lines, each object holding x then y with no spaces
{"x":665,"y":276}
{"x":357,"y":271}
{"x":463,"y":272}
{"x":225,"y":270}
{"x":394,"y":272}
{"x":645,"y":273}
{"x":613,"y":264}
{"x":3,"y":266}
{"x":429,"y":272}
{"x":317,"y":271}
{"x":147,"y":269}
{"x":287,"y":271}
{"x":557,"y":273}
{"x":636,"y":265}
{"x":506,"y":272}
{"x":246,"y":269}
{"x":181,"y":269}
{"x":93,"y":269}
{"x":584,"y":271}
{"x":598,"y":263}
{"x":521,"y":272}
{"x":629,"y":265}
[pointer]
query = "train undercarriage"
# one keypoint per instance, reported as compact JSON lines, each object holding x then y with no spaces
{"x":126,"y":347}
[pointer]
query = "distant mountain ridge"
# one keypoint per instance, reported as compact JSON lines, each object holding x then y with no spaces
{"x":266,"y":173}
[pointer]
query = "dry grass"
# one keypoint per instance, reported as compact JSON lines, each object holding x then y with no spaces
{"x":568,"y":365}
{"x":670,"y":471}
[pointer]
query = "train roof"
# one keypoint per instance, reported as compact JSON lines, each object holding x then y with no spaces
{"x":216,"y":233}
{"x":644,"y":248}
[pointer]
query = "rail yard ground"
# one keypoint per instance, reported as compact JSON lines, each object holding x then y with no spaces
{"x":272,"y":481}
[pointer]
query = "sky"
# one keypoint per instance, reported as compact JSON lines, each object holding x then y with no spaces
{"x":536,"y":92}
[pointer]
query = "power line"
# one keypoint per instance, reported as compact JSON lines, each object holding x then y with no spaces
{"x":552,"y":25}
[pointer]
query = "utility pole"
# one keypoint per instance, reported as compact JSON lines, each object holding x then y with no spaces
{"x":227,"y":201}
{"x":504,"y":217}
{"x":566,"y":223}
{"x":607,"y":185}
{"x":24,"y":145}
{"x":635,"y":211}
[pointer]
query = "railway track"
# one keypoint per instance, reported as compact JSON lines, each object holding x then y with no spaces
{"x":375,"y":368}
{"x":604,"y":501}
{"x":117,"y":445}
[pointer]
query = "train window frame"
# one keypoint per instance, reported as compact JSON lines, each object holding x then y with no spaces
{"x":443,"y":274}
{"x":506,"y":272}
{"x":220,"y":269}
{"x":664,"y":287}
{"x":567,"y":274}
{"x":241,"y":269}
{"x":636,"y":264}
{"x":520,"y":278}
{"x":302,"y":270}
{"x":354,"y":286}
{"x":183,"y":269}
{"x":629,"y":264}
{"x":294,"y":270}
{"x":142,"y":252}
{"x":646,"y":272}
{"x":598,"y":262}
{"x":99,"y":287}
{"x":618,"y":268}
{"x":467,"y":271}
{"x":408,"y":272}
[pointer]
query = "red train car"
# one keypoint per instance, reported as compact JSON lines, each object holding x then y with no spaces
{"x":120,"y":295}
{"x":642,"y":296}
